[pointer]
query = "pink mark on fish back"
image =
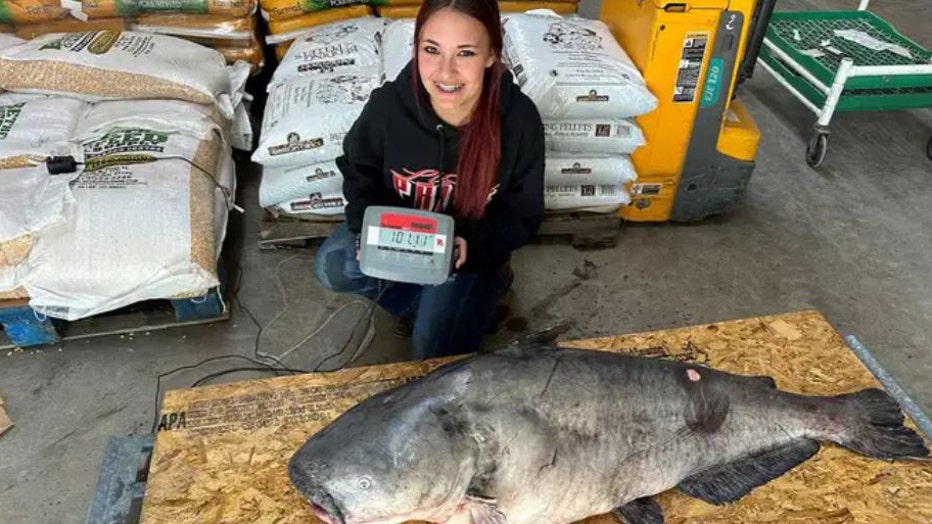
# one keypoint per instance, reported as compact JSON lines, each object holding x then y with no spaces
{"x":693,"y":375}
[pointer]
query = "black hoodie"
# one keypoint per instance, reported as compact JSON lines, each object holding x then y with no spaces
{"x":396,"y":148}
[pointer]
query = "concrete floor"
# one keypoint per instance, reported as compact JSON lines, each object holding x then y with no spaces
{"x":851,"y":240}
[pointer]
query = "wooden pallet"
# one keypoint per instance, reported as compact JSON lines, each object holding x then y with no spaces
{"x":281,"y":230}
{"x":121,"y":482}
{"x":24,"y":327}
{"x":584,"y":230}
{"x":221,"y":451}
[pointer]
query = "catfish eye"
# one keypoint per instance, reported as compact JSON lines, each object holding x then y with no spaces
{"x":364,"y":483}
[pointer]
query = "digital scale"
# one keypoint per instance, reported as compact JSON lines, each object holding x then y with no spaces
{"x":406,"y":245}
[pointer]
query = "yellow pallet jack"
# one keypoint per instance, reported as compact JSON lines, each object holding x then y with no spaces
{"x":701,"y":140}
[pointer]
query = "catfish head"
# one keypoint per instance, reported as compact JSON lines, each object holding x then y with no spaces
{"x":387,"y":460}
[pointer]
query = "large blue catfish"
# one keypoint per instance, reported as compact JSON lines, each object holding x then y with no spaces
{"x":538,"y":434}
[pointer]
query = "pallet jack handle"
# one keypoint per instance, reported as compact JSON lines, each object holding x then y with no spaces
{"x":759,"y":24}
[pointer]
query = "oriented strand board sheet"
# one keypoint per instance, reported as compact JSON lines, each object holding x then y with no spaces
{"x":223,"y":450}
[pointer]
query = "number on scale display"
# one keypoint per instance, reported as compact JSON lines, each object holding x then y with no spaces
{"x":408,"y":240}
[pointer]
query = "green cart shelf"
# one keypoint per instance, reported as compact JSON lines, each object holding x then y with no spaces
{"x":845,"y":61}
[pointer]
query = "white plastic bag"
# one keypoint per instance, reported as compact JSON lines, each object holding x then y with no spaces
{"x":608,"y":137}
{"x":573,"y":67}
{"x":282,"y":184}
{"x":37,"y":125}
{"x":168,"y":115}
{"x":145,"y":224}
{"x":106,"y":65}
{"x":31,"y":200}
{"x":585,"y":197}
{"x":578,"y":169}
{"x":306,"y":120}
{"x":320,"y":204}
{"x":347,"y":47}
{"x":9,"y":41}
{"x":397,"y":47}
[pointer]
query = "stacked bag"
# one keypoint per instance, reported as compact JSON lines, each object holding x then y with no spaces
{"x":229,"y":26}
{"x":584,"y":85}
{"x":314,"y":97}
{"x":588,"y":92}
{"x":564,"y":7}
{"x":151,"y":121}
{"x":287,"y":19}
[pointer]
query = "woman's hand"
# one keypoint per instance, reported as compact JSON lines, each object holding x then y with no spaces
{"x":460,"y":244}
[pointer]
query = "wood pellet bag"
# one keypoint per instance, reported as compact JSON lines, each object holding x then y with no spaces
{"x":397,"y":47}
{"x":410,"y":10}
{"x":578,"y":169}
{"x":604,"y":136}
{"x":585,"y":197}
{"x":346,"y":47}
{"x":282,"y":184}
{"x":100,"y":65}
{"x":306,"y":120}
{"x":146,"y":223}
{"x":16,"y":12}
{"x":572,"y":67}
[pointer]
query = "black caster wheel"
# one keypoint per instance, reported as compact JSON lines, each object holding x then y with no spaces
{"x":816,"y":150}
{"x":929,"y":149}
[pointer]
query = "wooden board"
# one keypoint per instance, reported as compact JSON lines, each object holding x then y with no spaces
{"x":222,"y":453}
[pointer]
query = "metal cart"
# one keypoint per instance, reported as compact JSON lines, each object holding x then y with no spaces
{"x":845,"y":61}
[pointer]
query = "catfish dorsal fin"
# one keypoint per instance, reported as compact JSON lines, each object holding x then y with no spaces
{"x":726,"y":483}
{"x":484,"y":510}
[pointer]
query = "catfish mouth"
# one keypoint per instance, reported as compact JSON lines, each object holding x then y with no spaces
{"x":323,"y":507}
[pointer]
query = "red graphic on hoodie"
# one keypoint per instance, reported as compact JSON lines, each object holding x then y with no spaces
{"x":430,"y":190}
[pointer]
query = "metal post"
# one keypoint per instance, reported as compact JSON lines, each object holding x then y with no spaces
{"x":834,"y":94}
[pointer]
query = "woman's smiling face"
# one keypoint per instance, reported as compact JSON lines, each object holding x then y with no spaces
{"x":454,"y":51}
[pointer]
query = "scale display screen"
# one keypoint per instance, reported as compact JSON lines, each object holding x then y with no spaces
{"x":410,"y":232}
{"x":406,"y":245}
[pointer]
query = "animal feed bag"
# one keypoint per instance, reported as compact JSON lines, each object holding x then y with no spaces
{"x":148,"y":222}
{"x":585,"y":197}
{"x":177,"y":114}
{"x":315,"y":204}
{"x":70,"y":25}
{"x":197,"y":26}
{"x":34,"y":127}
{"x":31,"y":200}
{"x":573,"y":68}
{"x":92,"y":9}
{"x":611,"y":137}
{"x":291,"y":28}
{"x":284,"y":9}
{"x":281,"y":184}
{"x":349,"y":47}
{"x":101,"y":65}
{"x":578,"y":169}
{"x":397,"y":47}
{"x":306,"y":120}
{"x":24,"y":12}
{"x":9,"y":41}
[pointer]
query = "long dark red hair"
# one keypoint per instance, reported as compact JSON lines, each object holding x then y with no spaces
{"x":480,"y":139}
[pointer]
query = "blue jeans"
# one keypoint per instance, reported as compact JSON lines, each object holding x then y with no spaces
{"x":449,"y":319}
